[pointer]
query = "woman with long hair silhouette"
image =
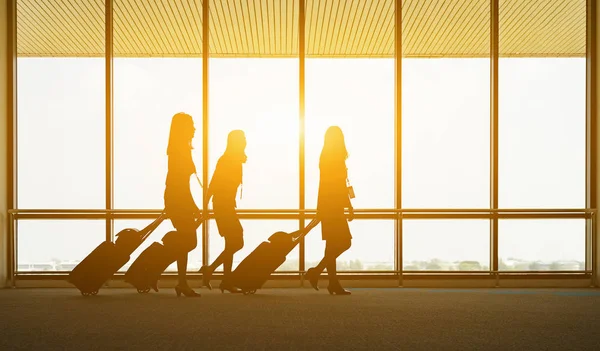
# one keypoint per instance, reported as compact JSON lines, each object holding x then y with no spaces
{"x":179,"y":203}
{"x":333,"y":199}
{"x":223,"y":189}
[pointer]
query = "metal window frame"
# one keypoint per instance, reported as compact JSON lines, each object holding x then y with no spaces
{"x":398,"y":227}
{"x":398,"y":214}
{"x":11,"y":139}
{"x":301,"y":132}
{"x":205,"y":125}
{"x":361,"y":214}
{"x":494,"y":54}
{"x":108,"y":59}
{"x":591,"y":134}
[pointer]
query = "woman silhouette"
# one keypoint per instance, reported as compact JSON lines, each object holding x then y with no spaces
{"x":333,"y":199}
{"x":223,"y":188}
{"x":179,"y":203}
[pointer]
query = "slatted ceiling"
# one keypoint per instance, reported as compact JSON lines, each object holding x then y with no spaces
{"x":557,"y":28}
{"x":269,"y":28}
{"x":254,"y":28}
{"x":352,"y":28}
{"x":437,"y":28}
{"x":162,"y":28}
{"x":60,"y":28}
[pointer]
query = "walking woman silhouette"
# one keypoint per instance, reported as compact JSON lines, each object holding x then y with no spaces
{"x":179,"y":203}
{"x":222,"y":189}
{"x":333,"y":199}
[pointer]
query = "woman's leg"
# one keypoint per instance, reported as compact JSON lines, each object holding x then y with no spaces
{"x":233,"y":244}
{"x":189,"y":242}
{"x":318,"y":269}
{"x":230,"y":228}
{"x":217,"y":262}
{"x":333,"y":250}
{"x":182,"y":269}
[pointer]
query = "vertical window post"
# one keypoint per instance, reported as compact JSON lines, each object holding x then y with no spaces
{"x":398,"y":267}
{"x":591,"y":142}
{"x":205,"y":35}
{"x":108,"y":59}
{"x":11,"y":141}
{"x":302,"y":123}
{"x":494,"y":52}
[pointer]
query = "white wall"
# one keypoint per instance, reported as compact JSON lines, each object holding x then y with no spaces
{"x":3,"y":119}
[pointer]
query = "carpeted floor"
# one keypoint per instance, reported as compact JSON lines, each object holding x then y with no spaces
{"x":302,"y":319}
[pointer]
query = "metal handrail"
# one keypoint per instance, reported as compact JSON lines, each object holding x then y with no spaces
{"x":292,"y":214}
{"x":387,"y":214}
{"x":286,"y":211}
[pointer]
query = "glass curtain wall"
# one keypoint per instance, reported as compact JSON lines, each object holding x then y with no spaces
{"x":542,"y":134}
{"x":60,"y":139}
{"x":446,"y":136}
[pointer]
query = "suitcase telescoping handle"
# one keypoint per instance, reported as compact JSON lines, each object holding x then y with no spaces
{"x":152,"y":226}
{"x":301,"y":233}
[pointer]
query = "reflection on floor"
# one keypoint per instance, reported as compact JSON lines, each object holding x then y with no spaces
{"x":302,"y":319}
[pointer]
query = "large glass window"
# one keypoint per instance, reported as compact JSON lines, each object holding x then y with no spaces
{"x":61,"y":112}
{"x":148,"y":91}
{"x":541,"y":245}
{"x":445,"y":105}
{"x":56,"y":245}
{"x":446,"y":245}
{"x":350,"y":82}
{"x":542,"y":130}
{"x":358,"y":96}
{"x":260,"y":97}
{"x":372,"y":247}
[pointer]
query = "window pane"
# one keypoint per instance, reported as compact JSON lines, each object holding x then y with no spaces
{"x":61,"y":111}
{"x":372,"y":247}
{"x":542,"y":127}
{"x":147,"y":93}
{"x":260,"y":97}
{"x":56,"y":245}
{"x":541,"y":244}
{"x":542,"y":133}
{"x":358,"y":96}
{"x":446,"y":245}
{"x":445,"y":106}
{"x":255,"y":233}
{"x":194,"y":257}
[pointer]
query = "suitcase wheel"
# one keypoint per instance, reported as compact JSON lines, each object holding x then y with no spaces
{"x":143,"y":291}
{"x":88,"y":293}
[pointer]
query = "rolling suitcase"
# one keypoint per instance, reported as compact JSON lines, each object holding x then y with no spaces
{"x":146,"y":270}
{"x":106,"y":259}
{"x":255,"y":270}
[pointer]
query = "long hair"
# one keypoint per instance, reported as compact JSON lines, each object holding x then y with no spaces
{"x":334,"y":146}
{"x":236,"y":145}
{"x":180,"y":136}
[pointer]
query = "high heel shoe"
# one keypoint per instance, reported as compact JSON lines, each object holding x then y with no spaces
{"x":312,"y":278}
{"x":206,"y":277}
{"x":186,"y":291}
{"x":232,"y":289}
{"x":337,"y":290}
